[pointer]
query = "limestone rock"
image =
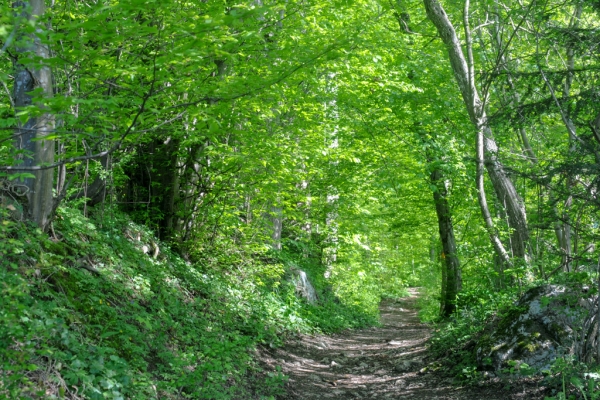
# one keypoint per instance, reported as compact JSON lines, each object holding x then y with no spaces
{"x":543,"y":323}
{"x":303,"y":286}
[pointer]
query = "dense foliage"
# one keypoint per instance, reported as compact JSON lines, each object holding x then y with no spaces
{"x":101,"y":310}
{"x":167,"y":169}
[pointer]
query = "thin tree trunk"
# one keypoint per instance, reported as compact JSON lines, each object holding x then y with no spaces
{"x":432,"y":249}
{"x":30,"y":135}
{"x":502,"y":64}
{"x":96,"y":191}
{"x":563,"y":226}
{"x":566,"y":218}
{"x":503,"y":186}
{"x":276,"y":218}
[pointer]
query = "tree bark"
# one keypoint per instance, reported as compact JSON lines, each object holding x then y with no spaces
{"x":30,"y":136}
{"x":465,"y":77}
{"x":276,"y":219}
{"x":451,"y":273}
{"x":167,"y":175}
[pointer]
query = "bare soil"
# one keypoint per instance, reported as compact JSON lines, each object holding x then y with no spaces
{"x":387,"y":362}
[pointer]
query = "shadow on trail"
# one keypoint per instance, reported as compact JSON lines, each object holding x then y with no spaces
{"x":375,"y":363}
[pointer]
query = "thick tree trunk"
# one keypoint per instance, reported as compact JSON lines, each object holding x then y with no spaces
{"x":167,"y":175}
{"x":507,"y":195}
{"x":30,"y":135}
{"x":483,"y":204}
{"x":465,"y":77}
{"x":153,"y":188}
{"x":451,"y":273}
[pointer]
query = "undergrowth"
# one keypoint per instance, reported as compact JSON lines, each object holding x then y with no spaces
{"x":99,"y":309}
{"x":453,"y":339}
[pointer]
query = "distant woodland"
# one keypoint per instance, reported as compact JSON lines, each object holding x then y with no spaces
{"x":173,"y":173}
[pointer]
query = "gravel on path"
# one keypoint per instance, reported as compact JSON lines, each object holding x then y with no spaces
{"x":386,"y":362}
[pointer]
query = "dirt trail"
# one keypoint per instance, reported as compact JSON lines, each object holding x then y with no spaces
{"x":376,"y":363}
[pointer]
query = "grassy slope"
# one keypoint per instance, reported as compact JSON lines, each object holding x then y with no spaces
{"x":87,"y":313}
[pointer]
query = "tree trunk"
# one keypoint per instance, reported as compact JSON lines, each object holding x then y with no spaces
{"x":433,"y":249}
{"x":30,"y":135}
{"x":451,"y":274}
{"x":566,"y":219}
{"x":96,"y":191}
{"x":275,"y":217}
{"x":153,"y":187}
{"x":167,"y":175}
{"x":465,"y":77}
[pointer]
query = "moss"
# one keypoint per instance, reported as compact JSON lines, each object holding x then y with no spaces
{"x":529,"y":346}
{"x":498,"y":347}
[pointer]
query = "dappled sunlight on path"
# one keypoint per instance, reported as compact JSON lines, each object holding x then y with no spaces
{"x":386,"y":362}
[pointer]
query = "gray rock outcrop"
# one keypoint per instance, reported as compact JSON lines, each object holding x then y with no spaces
{"x":545,"y":323}
{"x":303,"y":286}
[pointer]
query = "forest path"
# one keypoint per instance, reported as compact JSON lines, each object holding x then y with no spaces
{"x":376,"y":363}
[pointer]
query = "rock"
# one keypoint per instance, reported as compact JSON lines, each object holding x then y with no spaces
{"x":400,"y":383}
{"x":488,"y":374}
{"x":406,"y":366}
{"x":543,"y":321}
{"x":303,"y":286}
{"x":417,"y":385}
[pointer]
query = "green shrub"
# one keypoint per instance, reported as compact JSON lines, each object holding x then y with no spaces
{"x":91,"y":311}
{"x":451,"y":340}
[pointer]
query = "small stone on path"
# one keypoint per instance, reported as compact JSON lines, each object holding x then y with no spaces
{"x":384,"y":362}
